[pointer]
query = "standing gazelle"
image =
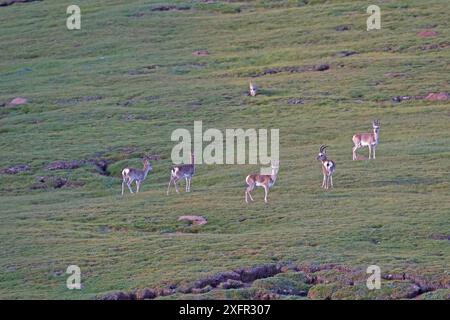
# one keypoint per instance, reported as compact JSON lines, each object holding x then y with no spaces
{"x":367,"y":140}
{"x":186,"y":171}
{"x":261,"y":180}
{"x":328,"y":168}
{"x":131,"y":174}
{"x":253,"y":89}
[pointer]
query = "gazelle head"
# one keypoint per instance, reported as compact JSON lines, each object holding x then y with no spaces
{"x":376,"y":125}
{"x":322,"y":156}
{"x":147,"y":164}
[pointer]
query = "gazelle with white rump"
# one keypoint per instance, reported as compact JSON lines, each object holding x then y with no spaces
{"x":185,"y":171}
{"x":261,"y":180}
{"x":131,"y":174}
{"x":370,"y":140}
{"x":328,"y":168}
{"x":253,"y":89}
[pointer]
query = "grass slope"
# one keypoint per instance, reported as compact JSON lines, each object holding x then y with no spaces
{"x":128,"y":79}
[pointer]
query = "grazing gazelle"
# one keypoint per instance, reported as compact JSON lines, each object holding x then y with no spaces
{"x":253,"y":89}
{"x":367,"y":140}
{"x":186,"y":171}
{"x":131,"y":174}
{"x":261,"y":180}
{"x":328,"y":168}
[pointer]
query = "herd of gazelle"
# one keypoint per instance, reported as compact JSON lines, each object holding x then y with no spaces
{"x":187,"y":171}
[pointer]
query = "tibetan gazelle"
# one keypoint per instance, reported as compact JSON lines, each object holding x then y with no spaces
{"x":131,"y":174}
{"x":367,"y":140}
{"x":253,"y":89}
{"x":261,"y":180}
{"x":186,"y":171}
{"x":328,"y":168}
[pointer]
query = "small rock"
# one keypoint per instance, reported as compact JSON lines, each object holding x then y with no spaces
{"x":346,"y":53}
{"x":18,"y":101}
{"x":401,"y":98}
{"x":195,"y":220}
{"x":427,"y":33}
{"x":201,"y":53}
{"x":440,"y":96}
{"x":344,"y":27}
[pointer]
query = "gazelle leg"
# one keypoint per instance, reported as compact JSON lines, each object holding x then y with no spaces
{"x":324,"y":180}
{"x":176,"y":186}
{"x":138,"y":184}
{"x":374,"y":149}
{"x":331,"y":181}
{"x":129,"y":186}
{"x":370,"y":151}
{"x":188,"y":183}
{"x":247,"y":192}
{"x":355,"y":148}
{"x":123,"y":185}
{"x":170,"y":182}
{"x":266,"y":192}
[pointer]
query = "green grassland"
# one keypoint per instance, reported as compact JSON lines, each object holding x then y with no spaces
{"x":118,"y":87}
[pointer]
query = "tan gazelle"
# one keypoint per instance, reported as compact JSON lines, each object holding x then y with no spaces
{"x":261,"y":180}
{"x":367,"y":140}
{"x":328,"y":168}
{"x":253,"y":89}
{"x":178,"y":172}
{"x":132,"y":174}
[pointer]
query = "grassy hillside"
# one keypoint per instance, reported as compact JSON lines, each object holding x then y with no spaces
{"x":117,"y":88}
